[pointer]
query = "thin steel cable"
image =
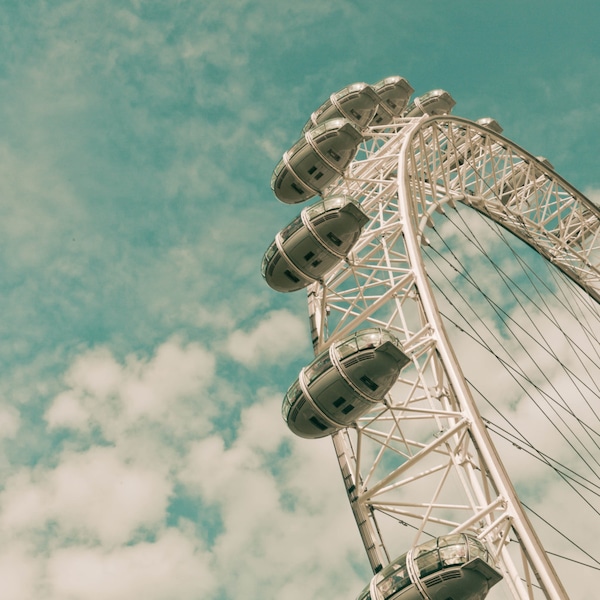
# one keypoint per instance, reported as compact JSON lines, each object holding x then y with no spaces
{"x":503,"y":314}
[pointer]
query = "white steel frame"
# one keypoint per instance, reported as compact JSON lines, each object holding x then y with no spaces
{"x":424,"y":456}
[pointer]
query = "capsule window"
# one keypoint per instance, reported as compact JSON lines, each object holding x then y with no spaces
{"x":316,"y":263}
{"x":453,"y":555}
{"x":317,"y":367}
{"x":308,"y":256}
{"x":428,"y":563}
{"x":477,"y":549}
{"x":369,"y":382}
{"x":312,"y":170}
{"x":394,"y":580}
{"x":319,"y":424}
{"x":290,"y":229}
{"x":334,"y":238}
{"x":348,"y":409}
{"x":337,"y":403}
{"x":291,"y":276}
{"x":297,"y":187}
{"x":355,"y":114}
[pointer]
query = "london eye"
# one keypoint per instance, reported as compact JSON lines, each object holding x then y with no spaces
{"x":453,"y":282}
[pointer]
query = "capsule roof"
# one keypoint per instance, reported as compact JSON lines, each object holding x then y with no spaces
{"x":393,"y":93}
{"x":490,"y":123}
{"x":357,"y":103}
{"x":434,"y":102}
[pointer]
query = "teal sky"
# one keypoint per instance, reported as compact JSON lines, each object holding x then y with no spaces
{"x":142,"y":358}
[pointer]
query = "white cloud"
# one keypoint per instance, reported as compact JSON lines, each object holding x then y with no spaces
{"x":95,"y":525}
{"x":280,"y":335}
{"x":171,"y":567}
{"x":67,"y":411}
{"x":19,"y":573}
{"x":165,"y":389}
{"x":89,"y":495}
{"x":173,"y":373}
{"x":283,"y":499}
{"x":96,"y":373}
{"x":10,"y":422}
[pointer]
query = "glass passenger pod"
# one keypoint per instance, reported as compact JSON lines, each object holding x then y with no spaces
{"x":313,"y":243}
{"x":456,"y":566}
{"x":491,"y":124}
{"x":315,"y":160}
{"x":357,"y":103}
{"x":435,"y":102}
{"x":343,"y":383}
{"x":394,"y":93}
{"x":545,"y":162}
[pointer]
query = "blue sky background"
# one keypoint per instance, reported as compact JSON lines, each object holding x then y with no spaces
{"x":142,"y":358}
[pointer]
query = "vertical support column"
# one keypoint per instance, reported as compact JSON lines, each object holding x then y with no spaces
{"x":367,"y":527}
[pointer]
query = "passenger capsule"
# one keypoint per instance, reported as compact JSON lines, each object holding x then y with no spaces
{"x":456,"y":566}
{"x":313,"y":243}
{"x":343,"y":383}
{"x":314,"y":161}
{"x":393,"y":93}
{"x":491,"y":124}
{"x":435,"y":102}
{"x":545,"y":162}
{"x":357,"y":103}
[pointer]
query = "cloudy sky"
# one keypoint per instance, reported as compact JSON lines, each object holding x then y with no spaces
{"x":142,"y":358}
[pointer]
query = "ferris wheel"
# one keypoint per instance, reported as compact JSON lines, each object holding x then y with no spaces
{"x":389,"y":297}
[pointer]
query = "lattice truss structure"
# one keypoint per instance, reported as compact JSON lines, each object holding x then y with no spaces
{"x":424,"y":457}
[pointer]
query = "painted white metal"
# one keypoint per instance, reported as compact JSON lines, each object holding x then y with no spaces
{"x":530,"y":544}
{"x":424,"y":457}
